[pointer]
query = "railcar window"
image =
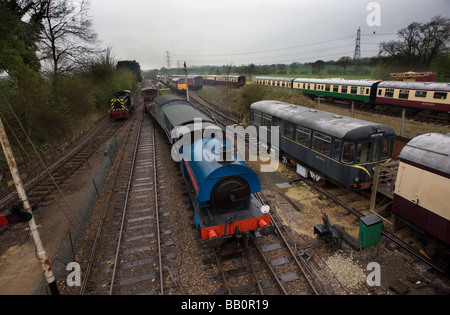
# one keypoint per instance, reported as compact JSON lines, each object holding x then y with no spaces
{"x":386,"y":149}
{"x":404,"y":94}
{"x":348,"y":152}
{"x":276,"y":121}
{"x":335,"y":88}
{"x":363,"y":152}
{"x":440,"y":95}
{"x":289,"y":131}
{"x":257,"y":118}
{"x":421,"y":94}
{"x":344,"y":89}
{"x":304,"y":136}
{"x":267,"y":121}
{"x":337,"y":149}
{"x":327,"y":88}
{"x":321,"y":143}
{"x":354,"y":90}
{"x":377,"y":147}
{"x":389,"y":93}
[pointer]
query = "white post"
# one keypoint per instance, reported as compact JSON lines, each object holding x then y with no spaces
{"x":187,"y":85}
{"x":41,"y":253}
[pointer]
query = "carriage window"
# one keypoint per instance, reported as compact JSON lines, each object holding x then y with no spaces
{"x":337,"y":149}
{"x":386,"y":151}
{"x":421,"y":94}
{"x":327,"y":88}
{"x":336,"y":88}
{"x":347,"y":152}
{"x":344,"y":89}
{"x":389,"y":93}
{"x":321,"y":143}
{"x":404,"y":94}
{"x":354,"y":90}
{"x":257,"y":118}
{"x":267,"y":120}
{"x":304,"y":136}
{"x":363,"y":152}
{"x":276,"y":121}
{"x":289,"y":131}
{"x":440,"y":95}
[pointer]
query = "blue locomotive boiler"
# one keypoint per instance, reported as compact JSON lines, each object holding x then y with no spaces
{"x":222,"y":188}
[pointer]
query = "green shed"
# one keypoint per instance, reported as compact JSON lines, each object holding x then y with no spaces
{"x":369,"y":230}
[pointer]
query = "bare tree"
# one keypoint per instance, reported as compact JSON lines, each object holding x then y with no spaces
{"x":420,"y":43}
{"x":68,"y":39}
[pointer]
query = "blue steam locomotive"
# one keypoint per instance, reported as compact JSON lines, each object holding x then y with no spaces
{"x":221,"y":186}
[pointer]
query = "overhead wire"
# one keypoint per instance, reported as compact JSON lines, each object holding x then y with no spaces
{"x":228,"y":57}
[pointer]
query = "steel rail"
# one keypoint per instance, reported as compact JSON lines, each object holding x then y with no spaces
{"x":252,"y":266}
{"x":102,"y":220}
{"x":219,"y":264}
{"x":158,"y":232}
{"x":383,"y":232}
{"x":280,"y":285}
{"x":124,"y":210}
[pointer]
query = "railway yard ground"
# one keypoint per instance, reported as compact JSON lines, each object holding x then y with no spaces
{"x":189,"y":268}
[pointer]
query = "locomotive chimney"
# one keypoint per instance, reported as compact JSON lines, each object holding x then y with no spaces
{"x":226,"y":154}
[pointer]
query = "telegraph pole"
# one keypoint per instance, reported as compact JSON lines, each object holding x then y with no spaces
{"x":40,"y":250}
{"x":187,"y":85}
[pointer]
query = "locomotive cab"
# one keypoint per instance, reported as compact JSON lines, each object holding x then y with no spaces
{"x":121,"y":105}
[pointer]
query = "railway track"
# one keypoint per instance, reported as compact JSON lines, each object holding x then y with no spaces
{"x":358,"y":212}
{"x":358,"y":205}
{"x":263,"y":266}
{"x":132,"y":249}
{"x":41,"y":187}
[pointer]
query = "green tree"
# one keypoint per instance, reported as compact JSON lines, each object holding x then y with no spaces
{"x":18,"y":37}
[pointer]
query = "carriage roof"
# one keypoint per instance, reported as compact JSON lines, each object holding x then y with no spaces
{"x":343,"y":127}
{"x":408,"y":85}
{"x":431,"y":150}
{"x":338,"y":82}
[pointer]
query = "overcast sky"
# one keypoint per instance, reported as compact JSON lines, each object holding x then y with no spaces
{"x":240,"y":32}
